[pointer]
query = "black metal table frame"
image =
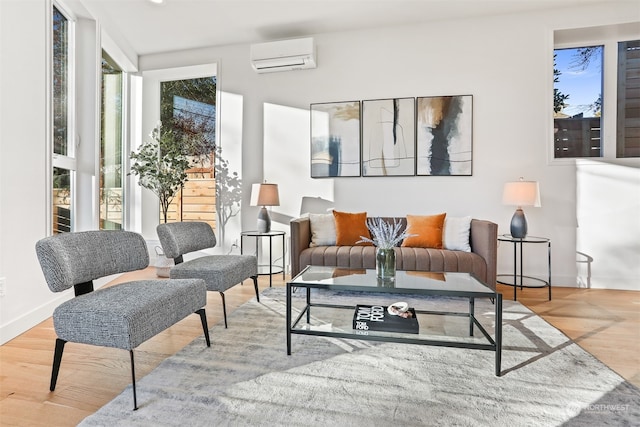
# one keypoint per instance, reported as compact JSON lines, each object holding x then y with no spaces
{"x":271,"y":234}
{"x":519,"y":242}
{"x":495,"y":344}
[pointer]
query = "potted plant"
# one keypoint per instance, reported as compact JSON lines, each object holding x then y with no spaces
{"x":161,"y":166}
{"x":385,"y":236}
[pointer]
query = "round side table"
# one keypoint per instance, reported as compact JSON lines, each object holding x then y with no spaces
{"x":518,"y":279}
{"x":264,"y":270}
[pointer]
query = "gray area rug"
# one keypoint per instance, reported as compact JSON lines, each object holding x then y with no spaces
{"x":246,"y":378}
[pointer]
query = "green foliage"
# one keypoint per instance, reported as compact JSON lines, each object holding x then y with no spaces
{"x":195,"y":126}
{"x":161,"y":165}
{"x":199,"y":89}
{"x":559,"y":98}
{"x":197,"y":139}
{"x":596,"y":107}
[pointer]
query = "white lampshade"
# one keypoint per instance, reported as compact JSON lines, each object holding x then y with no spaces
{"x":265,"y":194}
{"x":521,"y":193}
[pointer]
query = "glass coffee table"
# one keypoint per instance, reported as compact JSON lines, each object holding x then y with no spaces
{"x":334,"y":318}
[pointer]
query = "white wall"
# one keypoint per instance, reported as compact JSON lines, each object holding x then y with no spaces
{"x":22,"y":164}
{"x":608,"y":221}
{"x":504,"y":62}
{"x":24,"y":157}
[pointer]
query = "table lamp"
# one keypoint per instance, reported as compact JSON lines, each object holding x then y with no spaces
{"x":520,"y":193}
{"x":264,"y":195}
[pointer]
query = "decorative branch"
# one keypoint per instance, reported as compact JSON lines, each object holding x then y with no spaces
{"x":385,"y":235}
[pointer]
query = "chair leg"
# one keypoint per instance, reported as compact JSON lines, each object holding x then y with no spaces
{"x":57,"y":358}
{"x":255,"y":285}
{"x":133,"y":376}
{"x":224,"y":309}
{"x":203,"y":319}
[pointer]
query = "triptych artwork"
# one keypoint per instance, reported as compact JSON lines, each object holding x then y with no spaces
{"x":392,"y":137}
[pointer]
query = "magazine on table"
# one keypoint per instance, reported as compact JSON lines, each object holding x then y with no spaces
{"x":397,"y":317}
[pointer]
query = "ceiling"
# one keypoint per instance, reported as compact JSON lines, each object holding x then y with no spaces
{"x":183,"y":24}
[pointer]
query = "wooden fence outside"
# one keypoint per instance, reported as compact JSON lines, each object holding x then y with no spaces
{"x":196,"y":201}
{"x":577,"y":137}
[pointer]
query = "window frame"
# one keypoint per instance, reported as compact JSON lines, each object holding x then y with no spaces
{"x":607,"y":36}
{"x":150,"y":98}
{"x":602,"y":117}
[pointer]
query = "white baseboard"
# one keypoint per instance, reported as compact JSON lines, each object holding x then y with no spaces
{"x":613,"y":283}
{"x":619,"y":284}
{"x":28,"y":320}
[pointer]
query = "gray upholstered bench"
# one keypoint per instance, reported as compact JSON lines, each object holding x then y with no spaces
{"x":121,"y":316}
{"x":220,"y":272}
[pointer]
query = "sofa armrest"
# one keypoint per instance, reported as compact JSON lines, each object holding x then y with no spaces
{"x":300,"y":240}
{"x":484,"y":242}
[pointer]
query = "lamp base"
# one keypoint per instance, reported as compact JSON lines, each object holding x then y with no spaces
{"x":519,"y":224}
{"x":264,"y":221}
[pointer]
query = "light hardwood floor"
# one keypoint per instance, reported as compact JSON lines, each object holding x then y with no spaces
{"x":604,"y":322}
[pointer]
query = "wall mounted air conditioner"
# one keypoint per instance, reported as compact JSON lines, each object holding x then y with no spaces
{"x":283,"y":55}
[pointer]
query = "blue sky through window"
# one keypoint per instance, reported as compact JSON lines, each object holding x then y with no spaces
{"x":583,"y":86}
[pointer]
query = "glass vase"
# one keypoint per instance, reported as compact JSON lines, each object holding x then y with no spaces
{"x":386,"y":264}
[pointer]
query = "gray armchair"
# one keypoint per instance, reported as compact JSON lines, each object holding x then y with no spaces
{"x":220,"y":272}
{"x":121,"y":316}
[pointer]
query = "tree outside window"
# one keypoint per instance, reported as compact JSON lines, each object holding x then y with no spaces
{"x":213,"y":191}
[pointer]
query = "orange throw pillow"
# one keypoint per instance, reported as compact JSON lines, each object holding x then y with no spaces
{"x":427,"y":230}
{"x":349,"y":228}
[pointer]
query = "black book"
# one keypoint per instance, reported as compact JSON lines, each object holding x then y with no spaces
{"x":376,"y":318}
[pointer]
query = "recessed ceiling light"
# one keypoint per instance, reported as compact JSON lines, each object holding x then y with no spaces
{"x":157,"y":1}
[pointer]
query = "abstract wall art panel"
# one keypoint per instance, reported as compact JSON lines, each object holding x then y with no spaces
{"x":444,"y":135}
{"x":388,"y":137}
{"x":335,"y":139}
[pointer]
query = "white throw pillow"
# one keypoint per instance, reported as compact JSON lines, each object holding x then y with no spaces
{"x":456,"y":233}
{"x":323,"y":229}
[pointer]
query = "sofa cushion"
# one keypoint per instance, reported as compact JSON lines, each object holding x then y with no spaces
{"x":350,"y":227}
{"x":323,"y":229}
{"x":455,"y":236}
{"x":426,"y":230}
{"x":418,"y":259}
{"x":429,"y":259}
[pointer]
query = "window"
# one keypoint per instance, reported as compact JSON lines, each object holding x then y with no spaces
{"x":628,"y":120}
{"x":577,"y":98}
{"x":111,"y":143}
{"x":188,"y":111}
{"x":63,"y":150}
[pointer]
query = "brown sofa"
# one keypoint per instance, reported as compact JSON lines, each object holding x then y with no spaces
{"x":481,"y":261}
